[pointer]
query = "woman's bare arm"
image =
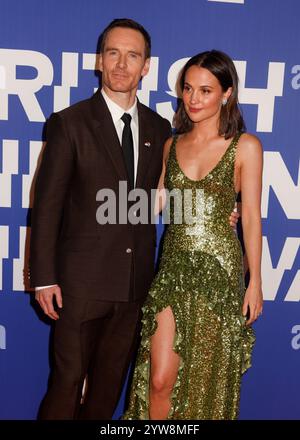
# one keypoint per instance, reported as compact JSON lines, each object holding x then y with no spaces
{"x":251,"y":165}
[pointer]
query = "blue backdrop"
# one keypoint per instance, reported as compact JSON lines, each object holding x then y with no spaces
{"x":46,"y":63}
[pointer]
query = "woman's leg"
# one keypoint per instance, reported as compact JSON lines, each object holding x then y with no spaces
{"x":164,"y":365}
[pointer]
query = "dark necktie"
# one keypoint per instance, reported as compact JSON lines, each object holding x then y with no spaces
{"x":127,"y":148}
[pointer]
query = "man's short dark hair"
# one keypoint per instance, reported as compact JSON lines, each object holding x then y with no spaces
{"x":130,"y":24}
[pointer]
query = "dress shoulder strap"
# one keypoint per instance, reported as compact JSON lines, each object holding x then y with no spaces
{"x":231,"y":151}
{"x":235,"y":140}
{"x":173,"y":147}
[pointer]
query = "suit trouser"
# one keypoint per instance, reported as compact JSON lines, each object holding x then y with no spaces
{"x":97,"y":339}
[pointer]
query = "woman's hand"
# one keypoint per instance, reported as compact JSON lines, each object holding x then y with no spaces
{"x":253,"y":302}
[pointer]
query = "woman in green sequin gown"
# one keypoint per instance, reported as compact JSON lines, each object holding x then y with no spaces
{"x":196,"y":343}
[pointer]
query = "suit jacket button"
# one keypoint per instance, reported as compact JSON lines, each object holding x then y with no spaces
{"x":128,"y":250}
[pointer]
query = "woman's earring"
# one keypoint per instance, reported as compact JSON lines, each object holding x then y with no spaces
{"x":224,"y":101}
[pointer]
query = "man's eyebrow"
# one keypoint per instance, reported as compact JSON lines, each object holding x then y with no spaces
{"x":135,"y":51}
{"x":130,"y":50}
{"x":110,"y":48}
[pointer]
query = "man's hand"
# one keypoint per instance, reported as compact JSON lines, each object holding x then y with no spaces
{"x":234,"y":217}
{"x":45,"y":299}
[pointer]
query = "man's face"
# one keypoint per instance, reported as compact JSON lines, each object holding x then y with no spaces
{"x":123,"y":61}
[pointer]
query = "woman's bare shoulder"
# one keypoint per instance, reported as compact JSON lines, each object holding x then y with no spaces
{"x":249,"y":146}
{"x":249,"y":141}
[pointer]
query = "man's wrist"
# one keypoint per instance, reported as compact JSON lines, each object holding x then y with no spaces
{"x":44,"y":287}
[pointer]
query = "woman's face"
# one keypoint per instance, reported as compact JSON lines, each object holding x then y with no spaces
{"x":202,"y":94}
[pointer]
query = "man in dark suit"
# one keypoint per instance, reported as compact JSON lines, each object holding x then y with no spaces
{"x":97,"y":275}
{"x":92,"y":278}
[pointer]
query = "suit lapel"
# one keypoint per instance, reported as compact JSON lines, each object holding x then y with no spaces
{"x":146,"y":145}
{"x":106,"y":133}
{"x":107,"y":136}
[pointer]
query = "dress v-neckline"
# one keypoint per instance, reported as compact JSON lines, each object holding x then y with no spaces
{"x":212,"y":170}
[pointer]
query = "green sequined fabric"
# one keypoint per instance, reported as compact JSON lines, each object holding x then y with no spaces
{"x":201,"y":278}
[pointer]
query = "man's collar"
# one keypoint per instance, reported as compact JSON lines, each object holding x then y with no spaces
{"x":117,"y":111}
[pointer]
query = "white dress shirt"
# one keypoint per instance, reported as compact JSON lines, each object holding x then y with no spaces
{"x":116,"y":113}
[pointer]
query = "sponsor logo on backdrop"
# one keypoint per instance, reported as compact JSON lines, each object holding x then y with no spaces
{"x":2,"y":337}
{"x":27,"y":89}
{"x":295,"y":342}
{"x":27,"y":92}
{"x":241,"y":2}
{"x":296,"y":79}
{"x":4,"y":235}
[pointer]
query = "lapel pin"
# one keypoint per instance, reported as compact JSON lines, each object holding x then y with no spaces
{"x":147,"y":144}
